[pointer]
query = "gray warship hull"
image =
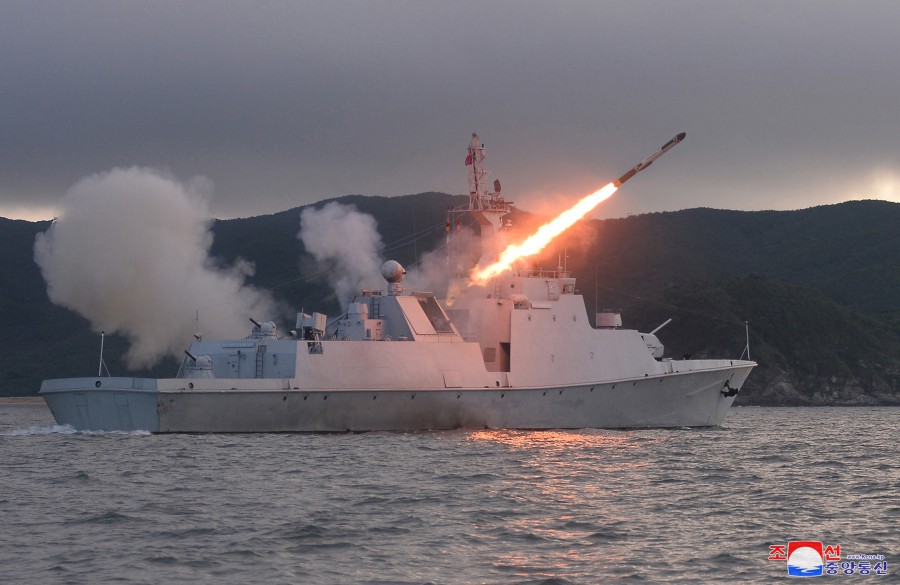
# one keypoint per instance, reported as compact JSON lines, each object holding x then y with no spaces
{"x":695,"y":398}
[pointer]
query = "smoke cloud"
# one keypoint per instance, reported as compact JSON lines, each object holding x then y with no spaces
{"x":130,"y":252}
{"x":346,"y":242}
{"x":454,"y":258}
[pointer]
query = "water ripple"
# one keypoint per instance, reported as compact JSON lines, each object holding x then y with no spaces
{"x":547,"y":507}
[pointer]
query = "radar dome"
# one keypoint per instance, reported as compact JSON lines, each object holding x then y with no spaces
{"x":393,"y":271}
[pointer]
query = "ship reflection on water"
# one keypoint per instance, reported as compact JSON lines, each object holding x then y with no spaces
{"x":578,"y":479}
{"x":552,"y":440}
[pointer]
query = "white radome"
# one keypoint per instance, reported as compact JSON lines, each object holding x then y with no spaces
{"x":393,"y":271}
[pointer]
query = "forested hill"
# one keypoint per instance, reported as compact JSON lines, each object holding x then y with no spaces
{"x":850,"y":252}
{"x":819,"y":287}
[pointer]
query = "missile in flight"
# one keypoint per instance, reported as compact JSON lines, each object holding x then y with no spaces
{"x":649,"y":160}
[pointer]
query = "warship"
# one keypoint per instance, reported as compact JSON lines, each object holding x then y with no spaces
{"x":507,"y":347}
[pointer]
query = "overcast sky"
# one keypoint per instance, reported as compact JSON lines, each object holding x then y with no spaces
{"x":786,"y":104}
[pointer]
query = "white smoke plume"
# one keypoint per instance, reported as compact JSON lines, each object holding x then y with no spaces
{"x":130,"y":252}
{"x":345,"y":242}
{"x":455,"y":257}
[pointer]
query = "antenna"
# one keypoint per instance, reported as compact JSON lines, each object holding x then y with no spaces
{"x":197,"y":335}
{"x":416,"y":239}
{"x":102,"y":365}
{"x":747,"y":347}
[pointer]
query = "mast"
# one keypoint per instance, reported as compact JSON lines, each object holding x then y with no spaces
{"x":487,"y":208}
{"x":476,"y":172}
{"x":479,"y":197}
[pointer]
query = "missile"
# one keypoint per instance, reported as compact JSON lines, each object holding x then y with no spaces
{"x":649,"y":160}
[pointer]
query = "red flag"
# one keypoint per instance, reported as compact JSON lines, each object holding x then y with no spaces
{"x":469,"y":159}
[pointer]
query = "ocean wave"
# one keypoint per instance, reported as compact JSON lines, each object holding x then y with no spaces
{"x":34,"y":431}
{"x":513,"y":507}
{"x":40,"y":430}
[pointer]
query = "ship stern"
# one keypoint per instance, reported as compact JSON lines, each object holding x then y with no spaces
{"x":103,"y":404}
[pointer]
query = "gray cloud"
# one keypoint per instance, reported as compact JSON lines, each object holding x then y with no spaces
{"x":786,"y":104}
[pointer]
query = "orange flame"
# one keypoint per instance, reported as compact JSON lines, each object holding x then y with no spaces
{"x":543,"y":236}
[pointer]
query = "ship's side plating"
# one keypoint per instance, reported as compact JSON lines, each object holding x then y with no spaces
{"x":695,"y":398}
{"x":104,"y":404}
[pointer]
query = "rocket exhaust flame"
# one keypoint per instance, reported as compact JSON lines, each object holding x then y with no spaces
{"x":543,"y":236}
{"x":549,"y":231}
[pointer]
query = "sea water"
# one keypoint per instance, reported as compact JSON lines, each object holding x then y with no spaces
{"x":488,"y":506}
